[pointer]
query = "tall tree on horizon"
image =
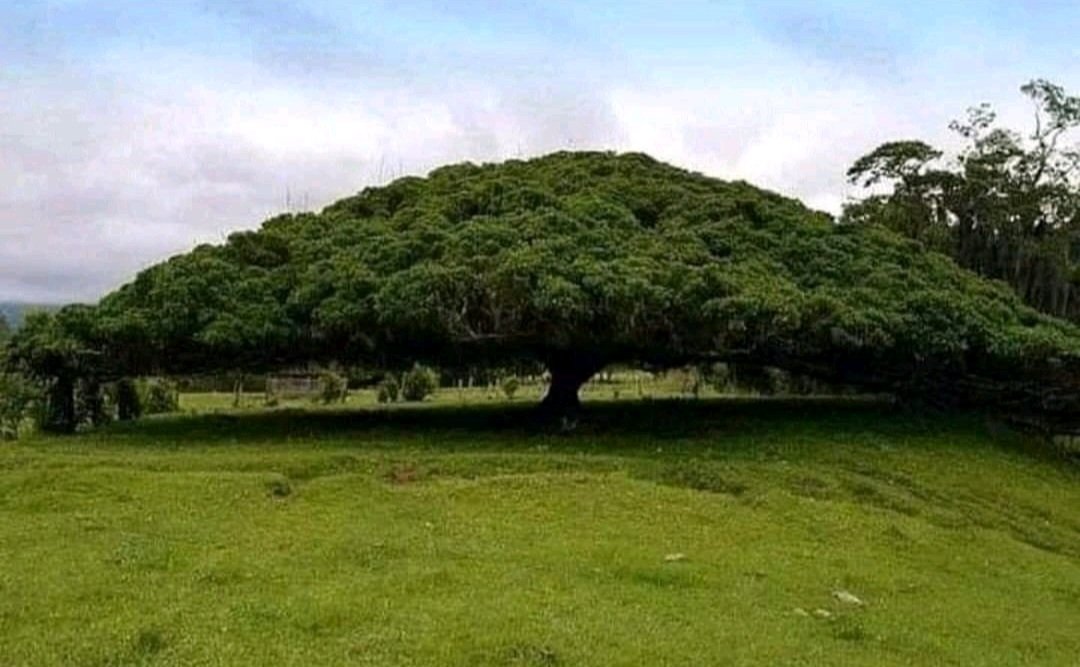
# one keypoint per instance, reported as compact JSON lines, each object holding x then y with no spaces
{"x":1006,"y":206}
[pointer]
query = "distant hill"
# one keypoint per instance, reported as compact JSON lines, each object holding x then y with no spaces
{"x":15,"y":311}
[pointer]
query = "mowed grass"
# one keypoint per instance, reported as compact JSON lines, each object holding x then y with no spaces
{"x":659,"y":533}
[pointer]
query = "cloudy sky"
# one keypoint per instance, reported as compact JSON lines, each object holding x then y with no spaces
{"x":131,"y":130}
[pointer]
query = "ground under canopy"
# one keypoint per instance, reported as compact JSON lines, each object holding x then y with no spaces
{"x":672,"y":533}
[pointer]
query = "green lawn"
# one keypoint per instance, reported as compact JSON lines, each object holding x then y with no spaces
{"x":659,"y":533}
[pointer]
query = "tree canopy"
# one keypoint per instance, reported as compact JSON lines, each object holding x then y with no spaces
{"x":1007,"y":206}
{"x":578,"y":260}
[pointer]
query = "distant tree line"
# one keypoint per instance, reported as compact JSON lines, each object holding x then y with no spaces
{"x":1006,"y":206}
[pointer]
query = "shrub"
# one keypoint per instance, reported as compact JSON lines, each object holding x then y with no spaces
{"x":333,"y":387}
{"x":718,"y":376}
{"x":779,"y":381}
{"x":159,"y":396}
{"x":510,"y":385}
{"x":418,"y":383}
{"x":389,"y":390}
{"x":17,"y":398}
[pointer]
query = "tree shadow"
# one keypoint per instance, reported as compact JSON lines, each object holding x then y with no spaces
{"x":619,"y":426}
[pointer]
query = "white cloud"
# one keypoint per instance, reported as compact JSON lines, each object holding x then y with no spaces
{"x":792,"y":137}
{"x":114,"y":173}
{"x":117,"y":163}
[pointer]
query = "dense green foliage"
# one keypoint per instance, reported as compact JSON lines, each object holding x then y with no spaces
{"x":389,"y":389}
{"x":1007,"y":206}
{"x":56,"y":351}
{"x":579,"y":260}
{"x":418,"y":383}
{"x":333,"y":387}
{"x":158,"y":396}
{"x":433,"y":536}
{"x":18,"y":397}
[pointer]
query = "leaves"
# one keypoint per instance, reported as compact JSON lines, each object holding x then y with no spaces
{"x":1007,"y":206}
{"x":582,"y":255}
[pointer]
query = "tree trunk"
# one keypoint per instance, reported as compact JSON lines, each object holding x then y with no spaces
{"x":90,"y":402}
{"x":60,"y":406}
{"x":128,"y":406}
{"x":567,"y":376}
{"x":238,"y":390}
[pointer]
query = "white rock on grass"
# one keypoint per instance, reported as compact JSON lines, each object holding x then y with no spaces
{"x":674,"y":558}
{"x":847,"y":598}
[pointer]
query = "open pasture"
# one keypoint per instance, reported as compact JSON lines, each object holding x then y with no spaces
{"x":784,"y":532}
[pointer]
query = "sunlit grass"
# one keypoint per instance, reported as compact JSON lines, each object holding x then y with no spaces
{"x":626,"y":385}
{"x":659,"y":533}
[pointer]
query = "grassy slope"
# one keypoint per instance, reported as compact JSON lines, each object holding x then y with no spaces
{"x":454,"y":536}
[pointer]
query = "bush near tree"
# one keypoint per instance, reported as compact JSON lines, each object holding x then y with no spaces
{"x":510,"y":386}
{"x":158,"y":396}
{"x":389,"y":389}
{"x":333,"y":387}
{"x":418,"y":383}
{"x":18,"y":396}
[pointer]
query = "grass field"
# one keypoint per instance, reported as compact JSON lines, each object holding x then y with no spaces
{"x":719,"y":532}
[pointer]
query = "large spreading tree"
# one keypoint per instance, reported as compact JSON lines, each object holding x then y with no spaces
{"x":577,"y":261}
